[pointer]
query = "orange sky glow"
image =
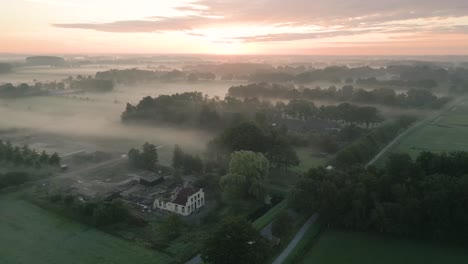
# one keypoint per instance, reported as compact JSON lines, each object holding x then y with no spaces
{"x":332,"y":27}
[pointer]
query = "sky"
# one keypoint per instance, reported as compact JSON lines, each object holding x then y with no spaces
{"x":309,"y":27}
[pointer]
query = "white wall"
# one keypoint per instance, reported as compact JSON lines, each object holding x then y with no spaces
{"x":194,"y":202}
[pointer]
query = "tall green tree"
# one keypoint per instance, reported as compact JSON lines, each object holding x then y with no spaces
{"x":149,"y":156}
{"x":178,"y":158}
{"x":244,"y":136}
{"x":145,"y":159}
{"x":254,"y":167}
{"x":235,"y":241}
{"x":234,"y":187}
{"x":54,"y":159}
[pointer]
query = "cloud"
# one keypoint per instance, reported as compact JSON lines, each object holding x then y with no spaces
{"x":154,"y":24}
{"x":292,"y":18}
{"x":300,"y":36}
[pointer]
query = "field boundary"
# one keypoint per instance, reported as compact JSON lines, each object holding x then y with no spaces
{"x":413,"y":128}
{"x":296,"y":240}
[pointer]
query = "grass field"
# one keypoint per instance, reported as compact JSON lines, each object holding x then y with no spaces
{"x":310,"y":158}
{"x":31,"y":235}
{"x":270,"y":215}
{"x":361,"y":248}
{"x":442,"y":134}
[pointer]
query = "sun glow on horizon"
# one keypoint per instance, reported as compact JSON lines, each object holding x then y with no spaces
{"x":230,"y":27}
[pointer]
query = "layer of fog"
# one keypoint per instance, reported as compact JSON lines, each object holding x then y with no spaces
{"x":96,"y":117}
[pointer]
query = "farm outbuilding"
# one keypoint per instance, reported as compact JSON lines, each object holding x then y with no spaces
{"x":151,"y":180}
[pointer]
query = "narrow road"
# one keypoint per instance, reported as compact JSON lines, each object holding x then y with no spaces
{"x":300,"y":234}
{"x":431,"y":117}
{"x":266,"y":231}
{"x":195,"y":260}
{"x":396,"y":140}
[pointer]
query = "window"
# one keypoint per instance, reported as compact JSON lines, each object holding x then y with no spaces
{"x":176,"y":207}
{"x":183,"y":209}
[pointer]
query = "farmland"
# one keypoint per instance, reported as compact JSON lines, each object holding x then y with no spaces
{"x":310,"y":158}
{"x":443,"y":133}
{"x":50,"y":239}
{"x":353,"y":247}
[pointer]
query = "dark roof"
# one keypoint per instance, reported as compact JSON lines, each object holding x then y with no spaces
{"x":183,"y":195}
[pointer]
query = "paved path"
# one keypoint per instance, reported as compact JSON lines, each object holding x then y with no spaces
{"x":195,"y":260}
{"x":300,"y":234}
{"x":431,"y":118}
{"x":266,"y":232}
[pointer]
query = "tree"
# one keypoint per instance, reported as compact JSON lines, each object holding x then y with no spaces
{"x":209,"y":118}
{"x":192,"y":164}
{"x":234,"y":187}
{"x":401,"y":199}
{"x":197,"y":164}
{"x":134,"y":157}
{"x":245,"y":136}
{"x":400,"y":166}
{"x":145,"y":159}
{"x":43,"y":158}
{"x":149,"y":156}
{"x":283,"y":155}
{"x":173,"y":226}
{"x":281,"y":226}
{"x":178,"y":158}
{"x":235,"y":241}
{"x":13,"y":178}
{"x":192,"y":77}
{"x":301,"y":109}
{"x":54,"y":159}
{"x":255,"y":168}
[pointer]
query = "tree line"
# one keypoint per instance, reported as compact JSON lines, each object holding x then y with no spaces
{"x":138,"y":76}
{"x":422,"y":198}
{"x":419,"y":83}
{"x":421,"y":76}
{"x":195,"y":110}
{"x":363,"y":149}
{"x":144,"y":159}
{"x":249,"y":136}
{"x":187,"y":163}
{"x":413,"y":98}
{"x":86,"y":84}
{"x":9,"y":90}
{"x":25,"y":156}
{"x":334,"y":74}
{"x":21,"y":158}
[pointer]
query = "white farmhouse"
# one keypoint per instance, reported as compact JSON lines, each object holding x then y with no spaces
{"x":184,"y":201}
